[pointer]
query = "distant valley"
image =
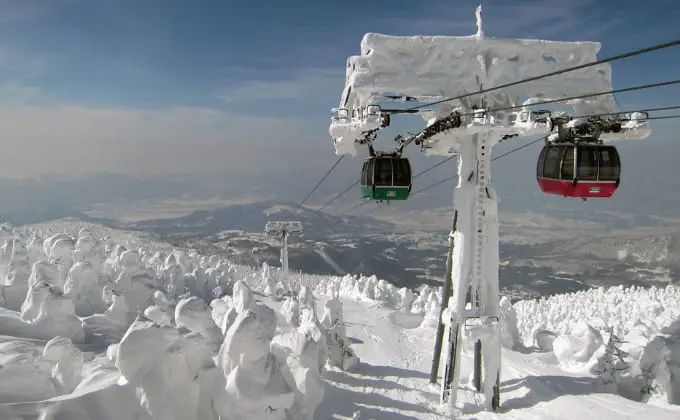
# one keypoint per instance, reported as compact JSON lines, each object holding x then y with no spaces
{"x":540,"y":254}
{"x":548,"y":244}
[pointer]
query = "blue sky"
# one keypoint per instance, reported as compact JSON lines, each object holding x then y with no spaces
{"x":119,"y":73}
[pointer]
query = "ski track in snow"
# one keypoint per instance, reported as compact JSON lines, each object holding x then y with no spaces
{"x":330,"y":261}
{"x":388,"y":383}
{"x":392,"y":381}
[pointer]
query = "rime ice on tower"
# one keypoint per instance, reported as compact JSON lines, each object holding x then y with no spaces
{"x":283,"y":231}
{"x":452,"y":66}
{"x":446,"y":67}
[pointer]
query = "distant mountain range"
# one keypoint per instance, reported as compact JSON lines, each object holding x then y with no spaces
{"x":252,"y":217}
{"x":351,"y":244}
{"x":648,"y":185}
{"x":409,"y":257}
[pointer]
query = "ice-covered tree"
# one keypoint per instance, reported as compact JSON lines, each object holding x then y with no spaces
{"x":612,"y":362}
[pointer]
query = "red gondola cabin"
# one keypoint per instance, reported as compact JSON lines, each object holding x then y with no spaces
{"x":579,"y":170}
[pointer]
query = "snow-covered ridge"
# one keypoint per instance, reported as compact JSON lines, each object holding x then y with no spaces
{"x":129,"y":319}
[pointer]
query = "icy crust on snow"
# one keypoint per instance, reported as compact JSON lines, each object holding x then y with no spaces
{"x":630,"y":337}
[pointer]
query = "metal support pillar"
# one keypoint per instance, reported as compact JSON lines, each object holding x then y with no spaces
{"x":448,"y":290}
{"x":474,"y":275}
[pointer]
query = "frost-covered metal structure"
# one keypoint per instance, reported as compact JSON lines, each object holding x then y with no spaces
{"x":282,"y":230}
{"x":415,"y":68}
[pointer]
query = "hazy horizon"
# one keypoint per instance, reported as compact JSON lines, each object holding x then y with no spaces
{"x":176,"y":87}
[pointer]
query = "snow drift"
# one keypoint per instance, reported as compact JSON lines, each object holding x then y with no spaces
{"x":167,"y":339}
{"x":113,"y":325}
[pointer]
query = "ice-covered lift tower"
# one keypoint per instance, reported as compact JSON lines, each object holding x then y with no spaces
{"x":283,"y":230}
{"x":448,"y":66}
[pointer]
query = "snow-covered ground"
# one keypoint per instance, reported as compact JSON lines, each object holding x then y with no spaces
{"x":104,"y":324}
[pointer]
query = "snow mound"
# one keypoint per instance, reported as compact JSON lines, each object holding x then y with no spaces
{"x":627,"y":336}
{"x":165,"y":336}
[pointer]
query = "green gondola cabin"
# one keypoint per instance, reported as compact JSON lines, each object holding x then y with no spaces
{"x":386,"y":178}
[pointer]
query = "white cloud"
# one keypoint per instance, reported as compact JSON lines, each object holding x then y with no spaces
{"x":18,"y":94}
{"x":76,"y":140}
{"x":311,"y":82}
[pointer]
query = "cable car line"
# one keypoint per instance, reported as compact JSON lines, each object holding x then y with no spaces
{"x":355,"y":183}
{"x":588,"y":95}
{"x":320,"y":182}
{"x":424,"y":189}
{"x":395,"y":192}
{"x":664,"y":117}
{"x":434,"y":166}
{"x":376,"y":165}
{"x":662,"y":108}
{"x":345,"y":191}
{"x":520,"y":148}
{"x":554,"y":73}
{"x":611,"y":152}
{"x":509,"y":152}
{"x":576,"y":163}
{"x":534,"y":142}
{"x":454,"y":119}
{"x":516,"y":149}
{"x":361,"y":203}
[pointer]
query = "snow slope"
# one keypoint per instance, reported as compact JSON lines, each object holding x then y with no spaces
{"x":392,"y":381}
{"x":135,"y":330}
